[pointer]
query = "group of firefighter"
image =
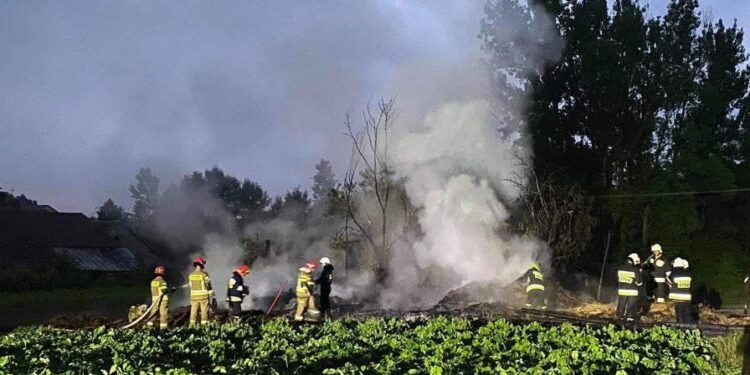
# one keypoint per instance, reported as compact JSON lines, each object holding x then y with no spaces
{"x":203,"y":297}
{"x":672,"y":282}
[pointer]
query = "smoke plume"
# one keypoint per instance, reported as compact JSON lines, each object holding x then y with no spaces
{"x":449,"y":149}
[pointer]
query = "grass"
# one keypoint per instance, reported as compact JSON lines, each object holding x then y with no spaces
{"x":728,"y":353}
{"x":38,"y":307}
{"x":74,"y":296}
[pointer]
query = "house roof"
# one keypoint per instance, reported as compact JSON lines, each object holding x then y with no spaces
{"x":26,"y":237}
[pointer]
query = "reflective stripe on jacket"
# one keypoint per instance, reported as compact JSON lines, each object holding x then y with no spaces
{"x":200,"y":286}
{"x":305,"y":281}
{"x":159,"y":287}
{"x":659,"y":269}
{"x":680,"y":290}
{"x":534,"y":279}
{"x":236,"y":289}
{"x":628,"y":280}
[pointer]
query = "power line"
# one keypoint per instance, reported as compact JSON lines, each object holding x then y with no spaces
{"x":705,"y":192}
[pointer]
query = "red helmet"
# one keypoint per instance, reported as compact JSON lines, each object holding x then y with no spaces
{"x":199,"y":260}
{"x":243,"y":269}
{"x":311,"y":264}
{"x":159,"y":270}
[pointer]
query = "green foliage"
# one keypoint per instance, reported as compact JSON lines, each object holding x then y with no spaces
{"x":374,"y":346}
{"x":110,"y":211}
{"x":728,"y":353}
{"x":145,"y":195}
{"x":637,"y":104}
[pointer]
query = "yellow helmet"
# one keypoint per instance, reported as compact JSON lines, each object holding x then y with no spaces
{"x":656,"y":248}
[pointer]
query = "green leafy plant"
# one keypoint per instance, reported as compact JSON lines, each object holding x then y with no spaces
{"x":373,"y":346}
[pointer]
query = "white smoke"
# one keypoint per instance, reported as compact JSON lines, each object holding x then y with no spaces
{"x":448,"y":147}
{"x":455,"y":164}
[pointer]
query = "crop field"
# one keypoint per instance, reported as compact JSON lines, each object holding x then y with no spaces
{"x":373,"y":346}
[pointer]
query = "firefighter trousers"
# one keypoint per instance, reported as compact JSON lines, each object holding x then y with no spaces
{"x":535,"y":299}
{"x":661,"y":292}
{"x":627,"y":307}
{"x":159,"y":313}
{"x":199,"y":307}
{"x":235,"y":308}
{"x":305,"y":302}
{"x":683,"y":311}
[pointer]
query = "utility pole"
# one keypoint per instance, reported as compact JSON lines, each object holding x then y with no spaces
{"x":604,"y":264}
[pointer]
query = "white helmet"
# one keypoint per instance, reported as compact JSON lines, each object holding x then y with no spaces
{"x":685,"y":263}
{"x":679,"y":263}
{"x":325,"y":260}
{"x":635,"y":258}
{"x":656,"y":248}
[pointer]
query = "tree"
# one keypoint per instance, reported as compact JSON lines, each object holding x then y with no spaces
{"x":323,"y":180}
{"x":294,"y":205}
{"x":370,"y":213}
{"x":145,"y":194}
{"x":110,"y":211}
{"x":559,"y":215}
{"x":636,"y":107}
{"x":7,"y":199}
{"x":246,"y":200}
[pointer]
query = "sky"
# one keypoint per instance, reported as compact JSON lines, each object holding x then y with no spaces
{"x":92,"y":91}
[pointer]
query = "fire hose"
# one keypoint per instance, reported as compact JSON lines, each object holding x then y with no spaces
{"x":277,"y":298}
{"x":153,"y":305}
{"x":146,"y":313}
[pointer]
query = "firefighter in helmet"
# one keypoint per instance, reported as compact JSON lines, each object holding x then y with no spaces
{"x":659,"y":268}
{"x":535,"y":297}
{"x":201,"y":292}
{"x":159,"y":299}
{"x":325,"y":280}
{"x":628,"y":285}
{"x":680,"y":291}
{"x":236,"y":290}
{"x":304,"y":291}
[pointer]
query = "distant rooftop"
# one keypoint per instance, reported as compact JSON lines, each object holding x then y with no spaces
{"x":28,"y":237}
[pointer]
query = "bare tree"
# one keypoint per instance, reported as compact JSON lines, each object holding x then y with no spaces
{"x":370,"y":162}
{"x":559,"y":215}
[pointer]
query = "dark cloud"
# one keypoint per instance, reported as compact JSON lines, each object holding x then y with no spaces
{"x":91,"y":91}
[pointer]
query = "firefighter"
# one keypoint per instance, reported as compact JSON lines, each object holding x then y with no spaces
{"x":628,"y":284}
{"x":325,"y":280}
{"x":680,"y":292}
{"x":200,"y":292}
{"x":304,"y":291}
{"x":236,"y":290}
{"x":659,"y":268}
{"x":160,"y":297}
{"x":535,"y":287}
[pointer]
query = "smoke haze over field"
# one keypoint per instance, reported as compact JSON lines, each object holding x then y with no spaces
{"x":94,"y":90}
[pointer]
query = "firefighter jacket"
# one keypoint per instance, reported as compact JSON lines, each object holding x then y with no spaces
{"x":236,"y":290}
{"x":305,"y":283}
{"x":628,"y":280}
{"x":659,"y":269}
{"x":159,"y":287}
{"x":326,"y":277}
{"x":200,"y":286}
{"x":534,"y":279}
{"x":680,"y":290}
